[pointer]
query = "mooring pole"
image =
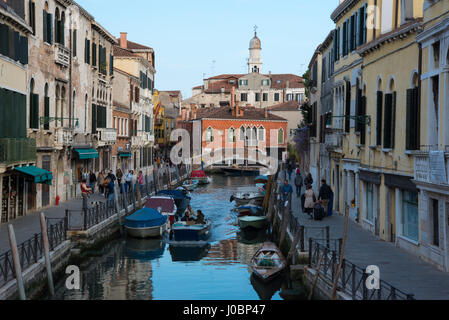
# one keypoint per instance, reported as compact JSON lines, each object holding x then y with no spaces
{"x":46,"y":246}
{"x":117,"y":207}
{"x":15,"y":257}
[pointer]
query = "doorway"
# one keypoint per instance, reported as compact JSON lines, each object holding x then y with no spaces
{"x":46,"y":165}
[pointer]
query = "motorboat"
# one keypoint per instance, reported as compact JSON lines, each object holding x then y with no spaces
{"x":241,"y":171}
{"x":144,"y":249}
{"x":165,"y":205}
{"x":181,"y":197}
{"x":246,"y":197}
{"x":146,"y":223}
{"x":268,"y":262}
{"x":255,"y":222}
{"x":249,"y":210}
{"x":190,"y":184}
{"x":190,"y":231}
{"x":201,"y":177}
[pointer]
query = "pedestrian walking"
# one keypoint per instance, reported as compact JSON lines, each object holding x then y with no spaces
{"x":140,"y":180}
{"x":298,"y":183}
{"x":119,"y":175}
{"x":308,"y":180}
{"x":110,"y":186}
{"x":289,"y":170}
{"x":92,"y":181}
{"x":310,"y":200}
{"x":85,"y":190}
{"x":100,"y":180}
{"x":128,"y":180}
{"x":286,"y":190}
{"x":325,"y":195}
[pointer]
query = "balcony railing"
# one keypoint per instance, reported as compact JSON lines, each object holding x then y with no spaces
{"x":432,"y":168}
{"x":108,"y":135}
{"x":62,"y":55}
{"x":334,"y":139}
{"x":64,"y":137}
{"x":13,"y":150}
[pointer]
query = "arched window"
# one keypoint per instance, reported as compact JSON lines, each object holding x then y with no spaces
{"x":34,"y":107}
{"x":47,"y":25}
{"x":248,"y":133}
{"x":254,"y":134}
{"x":231,"y":135}
{"x":209,"y":135}
{"x":242,"y":133}
{"x":46,"y":108}
{"x":281,"y":136}
{"x":62,"y":105}
{"x":261,"y":136}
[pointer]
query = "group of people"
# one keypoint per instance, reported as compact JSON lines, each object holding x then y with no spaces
{"x":310,"y":202}
{"x":189,"y":216}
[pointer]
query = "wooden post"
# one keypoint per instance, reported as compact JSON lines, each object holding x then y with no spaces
{"x":342,"y":255}
{"x":317,"y":275}
{"x":51,"y":285}
{"x":16,"y":260}
{"x":285,"y":220}
{"x":294,"y":244}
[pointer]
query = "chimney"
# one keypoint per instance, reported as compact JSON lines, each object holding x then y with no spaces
{"x":124,"y":40}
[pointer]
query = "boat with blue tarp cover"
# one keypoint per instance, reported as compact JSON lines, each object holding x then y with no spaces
{"x":181,"y":197}
{"x":146,"y":223}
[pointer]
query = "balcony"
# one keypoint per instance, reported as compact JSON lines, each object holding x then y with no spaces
{"x":62,"y":55}
{"x":333,"y":139}
{"x":107,"y":135}
{"x":432,"y":168}
{"x":63,"y":137}
{"x":17,"y":150}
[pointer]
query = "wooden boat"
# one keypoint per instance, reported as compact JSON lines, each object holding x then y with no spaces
{"x":241,"y":171}
{"x":190,"y":232}
{"x":249,"y":210}
{"x":268,"y":262}
{"x":245,"y":198}
{"x":165,"y":205}
{"x":255,"y":222}
{"x":190,"y":185}
{"x":181,"y":197}
{"x":146,"y":223}
{"x":201,"y":177}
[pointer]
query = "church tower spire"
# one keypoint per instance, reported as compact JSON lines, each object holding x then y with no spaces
{"x":255,"y":49}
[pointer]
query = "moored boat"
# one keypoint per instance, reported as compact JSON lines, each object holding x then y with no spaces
{"x":245,"y":198}
{"x":190,"y":185}
{"x":249,"y":210}
{"x":268,"y":262}
{"x":201,"y":177}
{"x":163,"y":204}
{"x":255,"y":222}
{"x":181,"y":197}
{"x":188,"y":232}
{"x":146,"y":223}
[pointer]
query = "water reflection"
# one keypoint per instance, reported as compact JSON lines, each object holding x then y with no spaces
{"x":131,"y":269}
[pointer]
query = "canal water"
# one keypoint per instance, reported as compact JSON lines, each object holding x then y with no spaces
{"x":154,"y":270}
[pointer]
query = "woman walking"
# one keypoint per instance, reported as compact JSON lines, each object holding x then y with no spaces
{"x":101,"y":179}
{"x":308,"y":180}
{"x":119,"y":175}
{"x":310,"y":199}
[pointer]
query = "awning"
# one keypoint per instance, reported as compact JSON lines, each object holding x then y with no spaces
{"x":39,"y":175}
{"x":87,"y":153}
{"x":125,"y":155}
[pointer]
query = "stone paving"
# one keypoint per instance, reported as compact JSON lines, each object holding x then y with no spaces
{"x":26,"y":227}
{"x":401,"y":269}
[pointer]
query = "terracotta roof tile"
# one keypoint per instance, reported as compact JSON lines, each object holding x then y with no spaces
{"x":286,"y":106}
{"x":120,"y":52}
{"x":294,"y":81}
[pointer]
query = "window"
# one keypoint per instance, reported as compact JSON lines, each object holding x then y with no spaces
{"x":34,"y":107}
{"x":47,"y":24}
{"x":412,"y":119}
{"x":276,"y":97}
{"x":13,"y":44}
{"x":46,"y":108}
{"x":379,"y":116}
{"x":231,"y":135}
{"x":243,"y":97}
{"x":435,"y":223}
{"x":209,"y":135}
{"x":348,"y":107}
{"x":32,"y":15}
{"x":265,"y":97}
{"x":266,"y":82}
{"x":59,"y":27}
{"x":257,"y":96}
{"x":337,"y":44}
{"x":243,"y":82}
{"x":410,"y":215}
{"x":290,"y":97}
{"x":299,"y":97}
{"x":345,"y":38}
{"x":389,"y":120}
{"x":74,"y":43}
{"x":261,"y":136}
{"x":87,"y":51}
{"x":370,"y":202}
{"x":242,"y":133}
{"x":281,"y":136}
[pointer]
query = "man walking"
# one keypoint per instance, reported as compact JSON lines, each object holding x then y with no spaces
{"x":298,"y":183}
{"x":286,"y":190}
{"x":325,"y":195}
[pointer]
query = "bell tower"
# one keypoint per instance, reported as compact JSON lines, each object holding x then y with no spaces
{"x":255,"y":49}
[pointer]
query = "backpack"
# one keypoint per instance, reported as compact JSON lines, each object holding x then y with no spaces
{"x":318,"y":212}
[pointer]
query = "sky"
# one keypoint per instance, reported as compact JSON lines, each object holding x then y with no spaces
{"x":197,"y":38}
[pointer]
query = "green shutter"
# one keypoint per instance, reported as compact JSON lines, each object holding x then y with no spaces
{"x":358,"y":110}
{"x":47,"y":112}
{"x":379,"y":115}
{"x":393,"y":120}
{"x":388,"y":120}
{"x":44,"y":24}
{"x":62,"y":33}
{"x":94,"y":54}
{"x":74,"y":43}
{"x":50,"y":28}
{"x":409,"y":120}
{"x":348,"y":107}
{"x":111,"y":65}
{"x":363,"y":125}
{"x":94,"y":118}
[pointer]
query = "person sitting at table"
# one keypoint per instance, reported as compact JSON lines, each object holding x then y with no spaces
{"x":187,"y":216}
{"x":200,"y":217}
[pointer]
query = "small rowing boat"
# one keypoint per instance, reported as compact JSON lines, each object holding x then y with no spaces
{"x":201,"y":177}
{"x":249,"y":210}
{"x":253,"y":222}
{"x":190,"y":231}
{"x":190,"y":185}
{"x":268,"y":262}
{"x":245,"y":198}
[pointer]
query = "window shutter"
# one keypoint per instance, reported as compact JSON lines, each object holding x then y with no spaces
{"x":62,"y":32}
{"x":348,"y":107}
{"x":111,"y":64}
{"x":94,"y":54}
{"x":409,"y":121}
{"x":358,"y":110}
{"x":74,"y":43}
{"x":16,"y":46}
{"x":44,"y":24}
{"x":416,"y":132}
{"x":47,"y":112}
{"x":34,"y":112}
{"x":365,"y":17}
{"x":379,"y":115}
{"x":94,"y":118}
{"x":363,"y":125}
{"x":50,"y":28}
{"x":388,"y":120}
{"x":393,"y":120}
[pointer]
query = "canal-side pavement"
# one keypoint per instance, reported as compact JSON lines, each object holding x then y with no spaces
{"x":401,"y":269}
{"x":26,"y":227}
